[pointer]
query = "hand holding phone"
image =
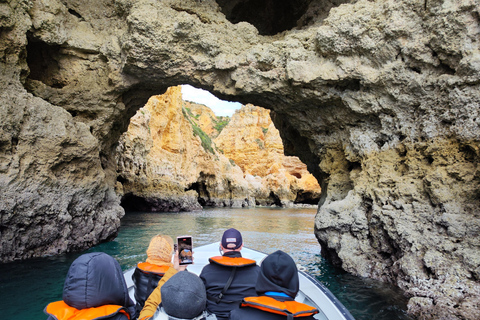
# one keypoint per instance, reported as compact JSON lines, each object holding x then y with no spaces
{"x":185,"y":250}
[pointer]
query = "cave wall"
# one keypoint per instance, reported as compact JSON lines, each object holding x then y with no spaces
{"x":379,"y":98}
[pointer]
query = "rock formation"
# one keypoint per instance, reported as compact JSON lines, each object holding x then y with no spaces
{"x":252,"y":142}
{"x":206,"y":119}
{"x":379,"y":98}
{"x":163,"y":166}
{"x":166,"y":161}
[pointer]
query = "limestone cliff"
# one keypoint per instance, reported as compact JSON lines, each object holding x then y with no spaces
{"x":164,"y":165}
{"x":379,"y":98}
{"x":252,"y":142}
{"x":166,"y":161}
{"x":204,"y":117}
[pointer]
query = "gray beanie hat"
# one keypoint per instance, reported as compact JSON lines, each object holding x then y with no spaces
{"x":184,"y":295}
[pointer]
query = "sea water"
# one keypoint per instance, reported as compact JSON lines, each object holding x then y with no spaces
{"x":26,"y":287}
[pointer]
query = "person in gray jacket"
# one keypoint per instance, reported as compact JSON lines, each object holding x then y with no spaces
{"x":94,"y":289}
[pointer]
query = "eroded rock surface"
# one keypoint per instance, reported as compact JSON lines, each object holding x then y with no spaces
{"x":253,"y":143}
{"x":379,"y":98}
{"x":163,"y":166}
{"x":167,"y":160}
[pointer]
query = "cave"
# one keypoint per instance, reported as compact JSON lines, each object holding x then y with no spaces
{"x":271,"y":17}
{"x":133,"y":202}
{"x":364,"y":121}
{"x":268,"y":16}
{"x":307,"y":198}
{"x":203,"y":195}
{"x":43,"y":62}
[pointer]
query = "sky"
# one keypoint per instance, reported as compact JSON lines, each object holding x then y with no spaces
{"x":219,"y":107}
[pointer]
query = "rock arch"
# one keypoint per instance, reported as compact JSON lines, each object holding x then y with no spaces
{"x":379,"y":99}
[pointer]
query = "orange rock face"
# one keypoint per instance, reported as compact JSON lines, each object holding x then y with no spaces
{"x":253,"y":142}
{"x":163,"y":164}
{"x":167,"y":160}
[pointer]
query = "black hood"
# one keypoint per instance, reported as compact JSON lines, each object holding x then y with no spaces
{"x":278,"y":273}
{"x":96,"y":279}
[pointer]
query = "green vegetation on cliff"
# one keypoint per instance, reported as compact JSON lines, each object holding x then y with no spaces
{"x":197,"y":131}
{"x":220,"y":123}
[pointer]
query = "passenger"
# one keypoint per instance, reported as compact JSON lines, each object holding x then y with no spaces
{"x":94,"y":289}
{"x":155,"y":298}
{"x":277,"y":286}
{"x":229,"y":278}
{"x":183,"y":297}
{"x":147,"y":274}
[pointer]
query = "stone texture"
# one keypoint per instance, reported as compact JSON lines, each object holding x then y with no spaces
{"x":253,"y":143}
{"x":379,"y":99}
{"x":163,"y":166}
{"x":167,"y":161}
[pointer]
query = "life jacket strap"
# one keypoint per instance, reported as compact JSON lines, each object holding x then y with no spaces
{"x":219,"y":298}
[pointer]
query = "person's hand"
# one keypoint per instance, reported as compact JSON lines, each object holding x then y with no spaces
{"x":176,"y":262}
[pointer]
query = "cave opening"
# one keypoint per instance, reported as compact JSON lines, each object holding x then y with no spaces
{"x":271,"y":17}
{"x":208,"y":186}
{"x":43,"y":62}
{"x":131,"y":202}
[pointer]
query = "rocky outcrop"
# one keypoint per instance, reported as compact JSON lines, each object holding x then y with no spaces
{"x":165,"y":164}
{"x":379,"y":99}
{"x":206,"y":119}
{"x":253,"y":143}
{"x":167,"y":160}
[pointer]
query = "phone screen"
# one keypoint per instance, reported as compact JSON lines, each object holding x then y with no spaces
{"x":185,"y":250}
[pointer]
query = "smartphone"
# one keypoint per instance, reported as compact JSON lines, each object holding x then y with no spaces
{"x":185,"y":250}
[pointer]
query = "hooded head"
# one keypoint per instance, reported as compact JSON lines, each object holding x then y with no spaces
{"x":278,"y":273}
{"x":184,"y":295}
{"x":95,"y":279}
{"x":160,"y":250}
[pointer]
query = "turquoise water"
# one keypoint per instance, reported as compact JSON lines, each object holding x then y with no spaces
{"x":27,"y":287}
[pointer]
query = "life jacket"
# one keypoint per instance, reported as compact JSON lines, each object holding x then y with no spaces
{"x":145,"y":278}
{"x":152,"y":268}
{"x":291,"y":309}
{"x":233,"y":261}
{"x":62,"y":311}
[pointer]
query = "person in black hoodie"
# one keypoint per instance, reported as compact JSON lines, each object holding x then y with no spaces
{"x":229,"y":278}
{"x":94,"y":289}
{"x":277,"y":286}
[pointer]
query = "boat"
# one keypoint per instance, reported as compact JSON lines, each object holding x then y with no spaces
{"x":312,"y":292}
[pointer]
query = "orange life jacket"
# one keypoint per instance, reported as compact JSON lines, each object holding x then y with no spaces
{"x":288,"y":308}
{"x":233,"y":261}
{"x":62,"y":311}
{"x":152,"y":268}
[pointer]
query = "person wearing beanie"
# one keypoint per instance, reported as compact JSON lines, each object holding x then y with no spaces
{"x":147,"y":274}
{"x":183,"y":297}
{"x":155,"y":298}
{"x":230,"y":277}
{"x":94,"y":289}
{"x":277,"y":286}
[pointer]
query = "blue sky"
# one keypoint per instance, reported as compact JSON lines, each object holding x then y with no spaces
{"x":219,"y":107}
